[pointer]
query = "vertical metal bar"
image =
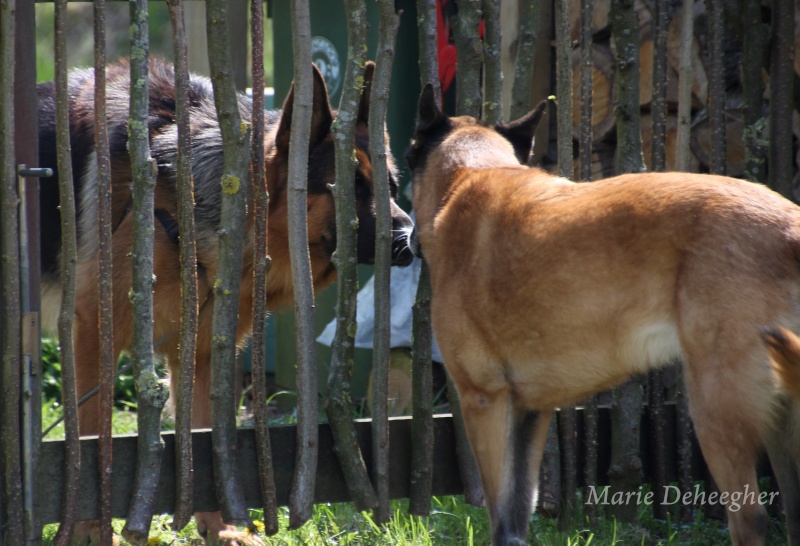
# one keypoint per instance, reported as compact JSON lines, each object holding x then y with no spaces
{"x":30,"y":368}
{"x":27,"y":152}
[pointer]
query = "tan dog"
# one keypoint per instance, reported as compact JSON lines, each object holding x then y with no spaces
{"x":546,"y":291}
{"x":207,"y":167}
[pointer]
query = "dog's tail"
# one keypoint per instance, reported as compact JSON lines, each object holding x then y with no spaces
{"x":784,"y":350}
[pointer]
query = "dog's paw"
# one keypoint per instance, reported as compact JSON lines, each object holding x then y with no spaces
{"x":217,"y":533}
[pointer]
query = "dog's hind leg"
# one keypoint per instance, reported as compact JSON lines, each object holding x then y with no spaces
{"x":782,"y":455}
{"x":507,"y":443}
{"x":729,"y":412}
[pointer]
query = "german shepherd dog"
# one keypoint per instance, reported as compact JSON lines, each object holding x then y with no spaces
{"x":546,"y":291}
{"x":207,"y":164}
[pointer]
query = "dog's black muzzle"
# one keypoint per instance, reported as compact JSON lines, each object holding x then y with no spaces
{"x":402,"y":228}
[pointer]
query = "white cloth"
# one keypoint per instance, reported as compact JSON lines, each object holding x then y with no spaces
{"x":403,"y":291}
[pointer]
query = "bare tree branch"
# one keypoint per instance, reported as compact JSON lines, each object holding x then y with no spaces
{"x":379,"y":100}
{"x":152,"y":393}
{"x":339,"y":404}
{"x":188,"y":258}
{"x":301,"y":497}
{"x":266,"y":475}
{"x":69,"y":258}
{"x":492,"y":67}
{"x":685,"y":87}
{"x":236,"y":149}
{"x":105,"y":312}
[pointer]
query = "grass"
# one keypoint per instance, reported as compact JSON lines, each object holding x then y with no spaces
{"x":454,"y":523}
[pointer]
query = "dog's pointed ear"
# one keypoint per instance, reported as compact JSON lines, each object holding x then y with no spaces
{"x":428,"y":113}
{"x":520,"y":132}
{"x":363,"y":104}
{"x":321,"y":114}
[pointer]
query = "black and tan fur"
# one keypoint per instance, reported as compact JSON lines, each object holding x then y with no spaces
{"x":207,"y":163}
{"x":546,"y":291}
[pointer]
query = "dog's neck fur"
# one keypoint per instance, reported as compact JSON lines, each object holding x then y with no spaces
{"x":468,"y":147}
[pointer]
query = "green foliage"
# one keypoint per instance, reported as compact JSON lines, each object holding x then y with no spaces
{"x":124,"y":388}
{"x":80,"y":41}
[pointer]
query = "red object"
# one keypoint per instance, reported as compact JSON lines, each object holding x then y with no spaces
{"x":447,"y":51}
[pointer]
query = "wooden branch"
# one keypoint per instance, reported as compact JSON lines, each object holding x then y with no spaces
{"x":716,"y":85}
{"x":492,"y":67}
{"x":338,"y":404}
{"x":781,"y":156}
{"x":266,"y":476}
{"x":388,"y":24}
{"x":568,"y":444}
{"x":529,"y":23}
{"x":105,"y":312}
{"x":683,"y":432}
{"x":756,"y":143}
{"x":151,"y":391}
{"x":303,"y":482}
{"x":235,"y":182}
{"x":685,"y":87}
{"x":422,"y":403}
{"x":421,"y":366}
{"x":564,"y":88}
{"x":658,"y":105}
{"x":590,"y":418}
{"x":625,"y":470}
{"x":10,"y":320}
{"x":470,"y":58}
{"x":625,"y":28}
{"x":428,"y":58}
{"x":586,"y":94}
{"x":69,"y":258}
{"x":188,"y":259}
{"x":658,"y":109}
